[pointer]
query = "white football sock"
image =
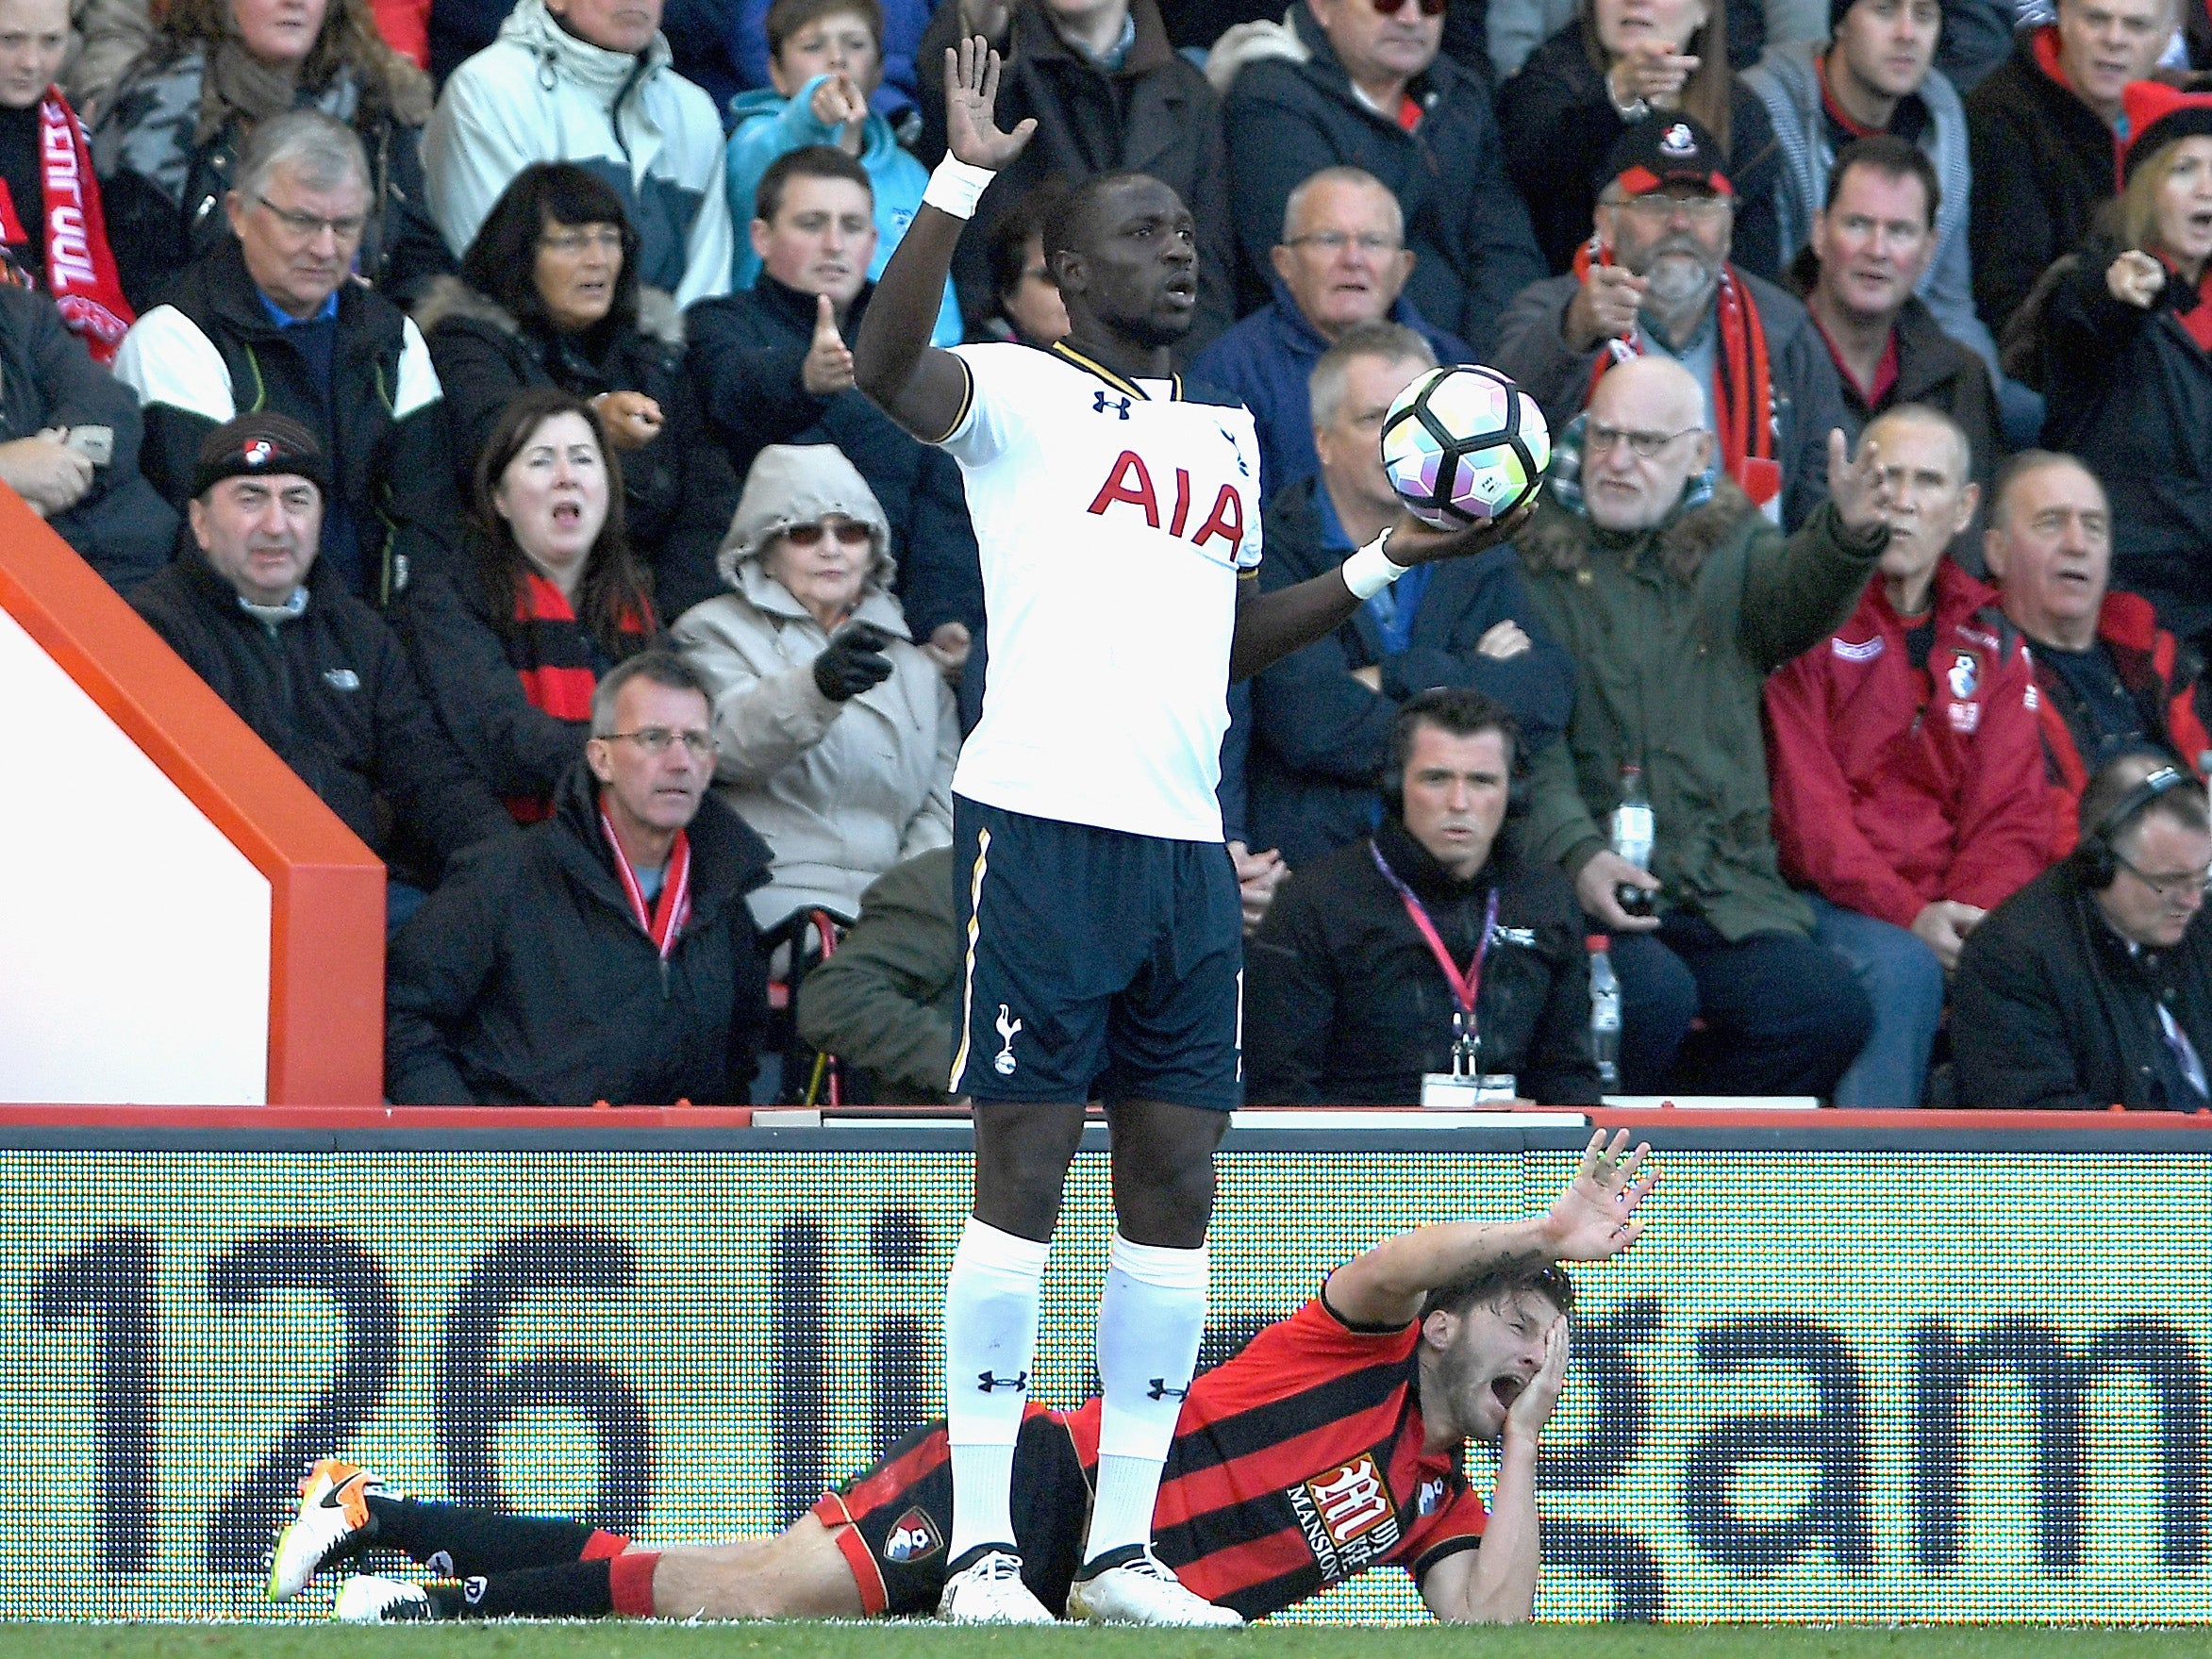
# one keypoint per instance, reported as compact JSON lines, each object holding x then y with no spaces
{"x":1150,"y":1322}
{"x":990,"y":1337}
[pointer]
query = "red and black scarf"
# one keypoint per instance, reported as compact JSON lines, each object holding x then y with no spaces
{"x":1743,"y":383}
{"x":80,"y":266}
{"x":551,"y":654}
{"x":664,"y":922}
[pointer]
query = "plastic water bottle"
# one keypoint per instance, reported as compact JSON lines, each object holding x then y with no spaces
{"x":1605,"y":1014}
{"x":1633,"y":830}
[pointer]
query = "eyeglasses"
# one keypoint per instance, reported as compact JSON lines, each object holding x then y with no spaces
{"x":1598,"y":440}
{"x":606,"y":238}
{"x":1696,"y":208}
{"x":1391,"y":8}
{"x":2195,"y":882}
{"x":1336,"y":241}
{"x":655,"y":739}
{"x":307,"y":224}
{"x":849,"y":532}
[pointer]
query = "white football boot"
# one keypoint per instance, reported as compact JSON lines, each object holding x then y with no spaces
{"x":1143,"y":1590}
{"x":332,"y":1524}
{"x":368,"y":1600}
{"x":989,"y":1590}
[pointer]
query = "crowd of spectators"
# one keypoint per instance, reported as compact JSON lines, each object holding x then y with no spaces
{"x":465,"y":390}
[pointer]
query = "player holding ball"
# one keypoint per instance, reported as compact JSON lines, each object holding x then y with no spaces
{"x":1116,"y":515}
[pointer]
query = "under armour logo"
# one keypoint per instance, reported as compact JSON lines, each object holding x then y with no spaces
{"x":986,"y":1384}
{"x":1004,"y":1062}
{"x":1159,"y":1390}
{"x":1104,"y":403}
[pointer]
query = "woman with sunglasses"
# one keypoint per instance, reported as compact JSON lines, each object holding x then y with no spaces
{"x":511,"y":646}
{"x":834,"y":735}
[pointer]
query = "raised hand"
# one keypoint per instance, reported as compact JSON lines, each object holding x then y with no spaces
{"x":829,"y":366}
{"x":971,"y":90}
{"x":1860,"y":486}
{"x":2135,"y":278}
{"x":632,"y":419}
{"x":1595,"y":1218}
{"x":837,"y":102}
{"x":1603,"y":308}
{"x":1653,"y":72}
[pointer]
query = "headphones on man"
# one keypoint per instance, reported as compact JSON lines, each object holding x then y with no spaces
{"x":1446,"y":706}
{"x":2096,"y":862}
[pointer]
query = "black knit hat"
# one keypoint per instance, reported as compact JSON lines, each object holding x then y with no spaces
{"x":259,"y":445}
{"x":1664,"y":149}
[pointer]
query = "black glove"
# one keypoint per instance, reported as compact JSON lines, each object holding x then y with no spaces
{"x":852,"y":662}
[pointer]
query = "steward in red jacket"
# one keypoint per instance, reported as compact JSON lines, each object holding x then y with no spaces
{"x":1897,"y":785}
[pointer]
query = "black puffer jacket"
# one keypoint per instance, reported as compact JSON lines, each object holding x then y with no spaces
{"x":2051,"y":1011}
{"x":677,"y":491}
{"x":1345,"y":1005}
{"x":2131,"y":393}
{"x":333,"y":695}
{"x":526,"y":980}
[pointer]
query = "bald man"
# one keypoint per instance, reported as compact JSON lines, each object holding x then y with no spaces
{"x":1677,"y":598}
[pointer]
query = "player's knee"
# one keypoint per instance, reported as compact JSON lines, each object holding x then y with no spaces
{"x":1171,"y":1207}
{"x":1022,"y":1157}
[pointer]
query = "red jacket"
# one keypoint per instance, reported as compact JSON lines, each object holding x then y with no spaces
{"x":2156,"y":672}
{"x":1884,"y":805}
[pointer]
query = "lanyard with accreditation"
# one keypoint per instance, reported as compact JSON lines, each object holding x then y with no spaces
{"x":1465,"y":1084}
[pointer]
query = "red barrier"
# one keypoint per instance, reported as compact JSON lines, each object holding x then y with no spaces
{"x":327,"y":890}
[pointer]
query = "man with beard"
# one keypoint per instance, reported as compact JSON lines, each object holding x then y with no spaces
{"x":1360,"y":1403}
{"x":1655,"y":278}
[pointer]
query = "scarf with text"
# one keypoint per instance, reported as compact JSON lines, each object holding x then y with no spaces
{"x":1743,"y":384}
{"x":664,"y":922}
{"x":552,"y":656}
{"x":80,"y":266}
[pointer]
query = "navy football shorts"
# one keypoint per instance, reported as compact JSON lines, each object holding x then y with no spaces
{"x":1098,"y":965}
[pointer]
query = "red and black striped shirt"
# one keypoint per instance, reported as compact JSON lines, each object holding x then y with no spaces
{"x":1299,"y":1464}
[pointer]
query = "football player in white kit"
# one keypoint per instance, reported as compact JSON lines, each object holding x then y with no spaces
{"x":1117,"y":512}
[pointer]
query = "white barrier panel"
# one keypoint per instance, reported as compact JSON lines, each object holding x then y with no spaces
{"x":134,"y":937}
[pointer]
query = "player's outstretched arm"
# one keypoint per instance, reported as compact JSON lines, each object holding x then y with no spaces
{"x":921,"y":387}
{"x":1496,"y":1584}
{"x":1270,"y":626}
{"x":1596,"y":1217}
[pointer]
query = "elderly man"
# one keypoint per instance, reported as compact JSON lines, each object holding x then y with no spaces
{"x":1657,"y":280}
{"x":1877,"y":77}
{"x":2041,"y":129}
{"x":606,"y":954}
{"x":255,"y":613}
{"x":1677,"y":600}
{"x":1341,"y":997}
{"x":2109,"y":680}
{"x":1373,"y":93}
{"x":1323,"y":716}
{"x":1870,"y":245}
{"x":771,"y":365}
{"x":2092,"y":986}
{"x":588,"y":81}
{"x":1342,"y":261}
{"x":1908,"y":764}
{"x":270,"y":319}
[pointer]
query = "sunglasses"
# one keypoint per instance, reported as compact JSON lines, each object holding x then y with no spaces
{"x":847,"y":532}
{"x":1391,"y":8}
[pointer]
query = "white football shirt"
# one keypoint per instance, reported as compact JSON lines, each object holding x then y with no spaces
{"x":1114,"y":519}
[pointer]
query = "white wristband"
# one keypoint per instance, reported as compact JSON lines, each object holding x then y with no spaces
{"x":955,"y":187}
{"x":1370,"y":570}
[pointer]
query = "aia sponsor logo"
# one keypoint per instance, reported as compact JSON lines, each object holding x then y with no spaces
{"x":913,"y":1537}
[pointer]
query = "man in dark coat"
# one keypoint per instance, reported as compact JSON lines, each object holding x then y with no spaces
{"x":2091,"y":986}
{"x":1438,"y":150}
{"x":607,"y":954}
{"x":271,"y":320}
{"x":769,"y":367}
{"x":317,"y":675}
{"x":1347,"y":1001}
{"x":2039,"y":135}
{"x":1114,"y":98}
{"x":69,"y":445}
{"x":1323,"y":716}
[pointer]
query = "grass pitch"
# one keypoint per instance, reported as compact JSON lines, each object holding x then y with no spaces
{"x":626,"y":1640}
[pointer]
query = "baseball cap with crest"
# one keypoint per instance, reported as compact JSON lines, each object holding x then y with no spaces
{"x":1666,"y":148}
{"x":259,"y":445}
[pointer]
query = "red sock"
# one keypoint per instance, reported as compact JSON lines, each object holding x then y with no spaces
{"x":603,"y":1544}
{"x":629,"y":1579}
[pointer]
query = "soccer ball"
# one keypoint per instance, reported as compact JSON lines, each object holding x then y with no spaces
{"x":1463,"y":444}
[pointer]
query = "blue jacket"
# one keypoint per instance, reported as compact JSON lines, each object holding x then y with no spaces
{"x":1266,"y":362}
{"x":767,"y":125}
{"x":1319,"y":736}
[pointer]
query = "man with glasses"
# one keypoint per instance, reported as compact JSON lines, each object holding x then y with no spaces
{"x":2109,"y":681}
{"x":1342,"y":261}
{"x":1656,"y":279}
{"x":271,"y":320}
{"x":317,"y":675}
{"x":606,"y":954}
{"x":1370,"y":90}
{"x":1677,"y":598}
{"x":2092,"y":986}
